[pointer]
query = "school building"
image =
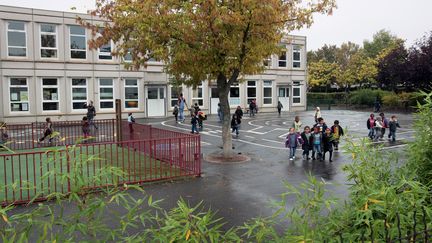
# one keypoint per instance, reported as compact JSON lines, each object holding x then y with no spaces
{"x":48,"y":70}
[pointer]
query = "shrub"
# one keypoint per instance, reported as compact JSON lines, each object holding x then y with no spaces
{"x":391,"y":100}
{"x":366,"y":97}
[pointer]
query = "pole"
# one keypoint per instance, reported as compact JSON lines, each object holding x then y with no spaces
{"x":118,"y":120}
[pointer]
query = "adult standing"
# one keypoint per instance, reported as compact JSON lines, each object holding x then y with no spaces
{"x":181,"y":102}
{"x":252,"y":108}
{"x":91,"y":113}
{"x":317,"y":114}
{"x":279,"y":107}
{"x":239,"y":112}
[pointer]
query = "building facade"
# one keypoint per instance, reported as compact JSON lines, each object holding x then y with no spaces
{"x":48,"y":70}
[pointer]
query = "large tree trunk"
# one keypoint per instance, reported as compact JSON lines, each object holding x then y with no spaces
{"x":223,"y":88}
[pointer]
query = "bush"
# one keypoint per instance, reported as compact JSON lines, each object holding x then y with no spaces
{"x":366,"y":97}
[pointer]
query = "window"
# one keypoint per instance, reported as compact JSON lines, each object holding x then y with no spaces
{"x":296,"y":93}
{"x":105,"y":49}
{"x":16,"y":39}
{"x":79,"y":93}
{"x":131,"y":93}
{"x":78,"y":42}
{"x":175,"y":93}
{"x":268,"y":92}
{"x":48,"y":40}
{"x":283,"y":58}
{"x":106,"y":93}
{"x":197,"y":96}
{"x":268,"y":62}
{"x":251,"y":91}
{"x":234,"y":98}
{"x":19,"y":100}
{"x":296,"y":56}
{"x":128,"y":56}
{"x":50,"y":94}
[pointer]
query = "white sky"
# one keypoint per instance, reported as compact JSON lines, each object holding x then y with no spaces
{"x":354,"y":20}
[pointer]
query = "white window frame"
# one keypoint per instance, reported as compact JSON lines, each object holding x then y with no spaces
{"x":18,"y":102}
{"x":106,"y":54}
{"x":296,"y":85}
{"x":173,"y":88}
{"x":137,"y":86}
{"x":70,"y":43}
{"x":128,"y":60}
{"x":197,"y":99}
{"x":296,"y":49}
{"x":21,"y":31}
{"x":237,"y":99}
{"x":266,"y":86}
{"x":247,"y":90}
{"x":50,"y":101}
{"x":106,"y":100}
{"x":79,"y":86}
{"x":284,"y":49}
{"x":55,"y":34}
{"x":268,"y":62}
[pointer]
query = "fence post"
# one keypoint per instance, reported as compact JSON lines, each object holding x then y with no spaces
{"x":118,"y":120}
{"x":68,"y":168}
{"x":33,"y":135}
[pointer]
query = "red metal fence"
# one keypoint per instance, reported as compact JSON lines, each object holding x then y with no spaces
{"x":26,"y":136}
{"x":149,"y":154}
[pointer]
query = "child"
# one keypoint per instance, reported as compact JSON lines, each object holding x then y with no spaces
{"x":292,"y":140}
{"x":327,"y":141}
{"x":378,"y":128}
{"x":297,"y":124}
{"x":321,"y":125}
{"x":307,"y":142}
{"x":235,"y":124}
{"x":3,"y":134}
{"x":48,"y":130}
{"x":393,"y":125}
{"x":194,"y":122}
{"x":337,"y":132}
{"x":370,"y":124}
{"x":385,"y":124}
{"x":175,"y":113}
{"x":196,"y":109}
{"x":279,"y":107}
{"x":316,"y":143}
{"x":131,"y":121}
{"x":85,"y":127}
{"x":201,"y":118}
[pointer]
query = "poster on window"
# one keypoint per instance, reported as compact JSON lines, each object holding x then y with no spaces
{"x":14,"y":97}
{"x":54,"y":96}
{"x":24,"y":95}
{"x":24,"y":106}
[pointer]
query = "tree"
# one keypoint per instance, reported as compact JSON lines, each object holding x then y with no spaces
{"x":322,"y":73}
{"x":382,"y":40}
{"x":327,"y":53}
{"x":360,"y":70}
{"x":204,"y":39}
{"x":419,"y":64}
{"x":392,"y":67}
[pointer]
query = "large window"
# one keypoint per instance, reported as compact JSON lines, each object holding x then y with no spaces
{"x":78,"y":42}
{"x":16,"y":39}
{"x":105,"y":49}
{"x":251,"y":91}
{"x":50,"y":94}
{"x":283,"y":58}
{"x":128,"y":56}
{"x":197,"y":96}
{"x":19,"y":100}
{"x":296,"y":93}
{"x":268,"y":94}
{"x":296,"y":56}
{"x":48,"y":40}
{"x":131,"y":93}
{"x":175,"y":93}
{"x":106,"y":93}
{"x":234,"y":98}
{"x":79,"y":93}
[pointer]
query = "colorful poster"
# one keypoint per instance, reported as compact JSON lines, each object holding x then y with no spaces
{"x":24,"y":95}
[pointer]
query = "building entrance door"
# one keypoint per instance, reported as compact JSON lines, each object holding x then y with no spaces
{"x":214,"y":100}
{"x":284,"y":97}
{"x":156,"y":101}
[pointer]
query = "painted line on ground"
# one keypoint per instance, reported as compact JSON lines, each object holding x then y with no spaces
{"x":249,"y":137}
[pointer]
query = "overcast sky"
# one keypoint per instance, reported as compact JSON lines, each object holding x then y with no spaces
{"x":354,"y":20}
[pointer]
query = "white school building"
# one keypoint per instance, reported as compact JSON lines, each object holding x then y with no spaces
{"x":48,"y":70}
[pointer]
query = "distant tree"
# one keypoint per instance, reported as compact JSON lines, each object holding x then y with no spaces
{"x":361,"y":70}
{"x":326,"y":53}
{"x":322,"y":73}
{"x":419,"y":64}
{"x":344,"y":54}
{"x":201,"y":40}
{"x":382,"y":40}
{"x":392,"y":67}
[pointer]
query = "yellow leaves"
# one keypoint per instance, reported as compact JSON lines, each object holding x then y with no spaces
{"x":353,"y":155}
{"x":5,"y":218}
{"x":188,"y":234}
{"x":369,"y":202}
{"x":365,"y":207}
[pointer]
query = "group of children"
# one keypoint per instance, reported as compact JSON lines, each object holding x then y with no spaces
{"x":377,"y":127}
{"x":319,"y":139}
